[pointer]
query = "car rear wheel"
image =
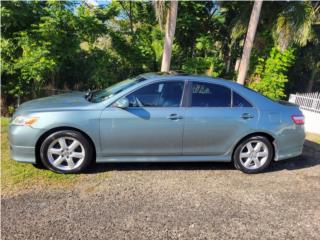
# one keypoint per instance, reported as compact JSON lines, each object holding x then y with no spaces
{"x":66,"y":152}
{"x":253,"y":155}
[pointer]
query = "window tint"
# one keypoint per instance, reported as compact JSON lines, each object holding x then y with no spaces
{"x":163,"y":94}
{"x":239,"y":101}
{"x":210,"y":95}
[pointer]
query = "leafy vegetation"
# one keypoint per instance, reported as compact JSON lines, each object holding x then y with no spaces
{"x":72,"y":45}
{"x":270,"y":74}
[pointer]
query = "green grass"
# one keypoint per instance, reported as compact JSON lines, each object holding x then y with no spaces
{"x":313,"y":137}
{"x":18,"y":176}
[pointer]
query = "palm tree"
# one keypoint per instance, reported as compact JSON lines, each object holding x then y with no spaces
{"x":298,"y":24}
{"x":171,"y":11}
{"x":295,"y":23}
{"x":245,"y":59}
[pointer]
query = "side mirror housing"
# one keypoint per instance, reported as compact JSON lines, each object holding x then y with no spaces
{"x":122,"y":103}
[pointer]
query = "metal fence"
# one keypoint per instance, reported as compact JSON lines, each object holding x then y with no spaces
{"x":307,"y":101}
{"x":309,"y":104}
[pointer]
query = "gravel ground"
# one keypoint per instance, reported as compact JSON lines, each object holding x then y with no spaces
{"x":174,"y":201}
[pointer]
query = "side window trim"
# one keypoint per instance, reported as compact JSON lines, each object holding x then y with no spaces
{"x":184,"y":91}
{"x":189,"y":102}
{"x":155,"y":82}
{"x":186,"y":94}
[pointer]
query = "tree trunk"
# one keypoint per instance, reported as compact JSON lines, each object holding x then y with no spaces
{"x":311,"y":80}
{"x":228,"y":61}
{"x":169,"y":35}
{"x":245,"y":59}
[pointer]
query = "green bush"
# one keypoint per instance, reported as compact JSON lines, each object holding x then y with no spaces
{"x":270,"y":75}
{"x":207,"y":61}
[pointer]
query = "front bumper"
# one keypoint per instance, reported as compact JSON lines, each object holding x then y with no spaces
{"x":23,"y":154}
{"x":23,"y":141}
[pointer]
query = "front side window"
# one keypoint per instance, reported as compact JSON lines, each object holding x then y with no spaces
{"x":210,"y":95}
{"x":163,"y":94}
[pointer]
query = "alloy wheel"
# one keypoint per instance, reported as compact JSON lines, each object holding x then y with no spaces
{"x":254,"y":154}
{"x":66,"y":153}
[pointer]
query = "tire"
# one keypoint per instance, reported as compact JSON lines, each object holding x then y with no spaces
{"x":253,"y":159}
{"x":66,"y":152}
{"x":38,"y":165}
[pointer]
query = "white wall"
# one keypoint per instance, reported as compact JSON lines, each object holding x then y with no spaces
{"x":312,"y":121}
{"x":309,"y":104}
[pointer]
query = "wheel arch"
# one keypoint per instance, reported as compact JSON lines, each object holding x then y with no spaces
{"x":56,"y":129}
{"x":270,"y":137}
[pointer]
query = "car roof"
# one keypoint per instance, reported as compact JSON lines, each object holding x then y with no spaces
{"x":157,"y":74}
{"x":176,"y":75}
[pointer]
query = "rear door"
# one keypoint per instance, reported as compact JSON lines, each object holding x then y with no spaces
{"x":215,"y":118}
{"x":151,"y":125}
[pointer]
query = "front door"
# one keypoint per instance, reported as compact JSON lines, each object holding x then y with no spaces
{"x":151,"y":125}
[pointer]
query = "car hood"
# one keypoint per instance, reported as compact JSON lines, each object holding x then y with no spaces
{"x":72,"y":100}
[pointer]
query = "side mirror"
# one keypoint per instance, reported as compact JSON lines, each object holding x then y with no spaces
{"x":122,"y":103}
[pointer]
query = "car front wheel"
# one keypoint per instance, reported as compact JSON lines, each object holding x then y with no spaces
{"x":253,"y":155}
{"x":66,"y":152}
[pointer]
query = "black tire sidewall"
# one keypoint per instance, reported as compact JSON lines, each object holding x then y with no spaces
{"x":66,"y":133}
{"x":236,"y":155}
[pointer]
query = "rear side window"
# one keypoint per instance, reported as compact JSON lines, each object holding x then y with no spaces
{"x":239,"y":101}
{"x":210,"y":95}
{"x":163,"y":94}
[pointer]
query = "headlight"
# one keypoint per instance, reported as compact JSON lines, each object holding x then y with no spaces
{"x":24,"y":120}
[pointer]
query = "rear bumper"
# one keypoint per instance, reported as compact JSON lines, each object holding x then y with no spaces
{"x":293,"y":152}
{"x":290,"y":143}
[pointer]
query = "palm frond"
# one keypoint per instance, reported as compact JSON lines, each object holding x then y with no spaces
{"x":294,"y":24}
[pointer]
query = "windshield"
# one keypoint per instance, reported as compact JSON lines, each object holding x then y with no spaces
{"x":101,"y":95}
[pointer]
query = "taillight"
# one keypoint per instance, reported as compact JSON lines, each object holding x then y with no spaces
{"x":298,"y":119}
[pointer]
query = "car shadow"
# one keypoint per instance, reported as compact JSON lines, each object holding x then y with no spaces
{"x":309,"y":158}
{"x":155,"y":166}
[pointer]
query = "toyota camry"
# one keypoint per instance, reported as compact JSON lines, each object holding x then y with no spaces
{"x":157,"y":118}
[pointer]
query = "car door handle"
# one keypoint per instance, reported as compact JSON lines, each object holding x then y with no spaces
{"x":247,"y":116}
{"x":174,"y":116}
